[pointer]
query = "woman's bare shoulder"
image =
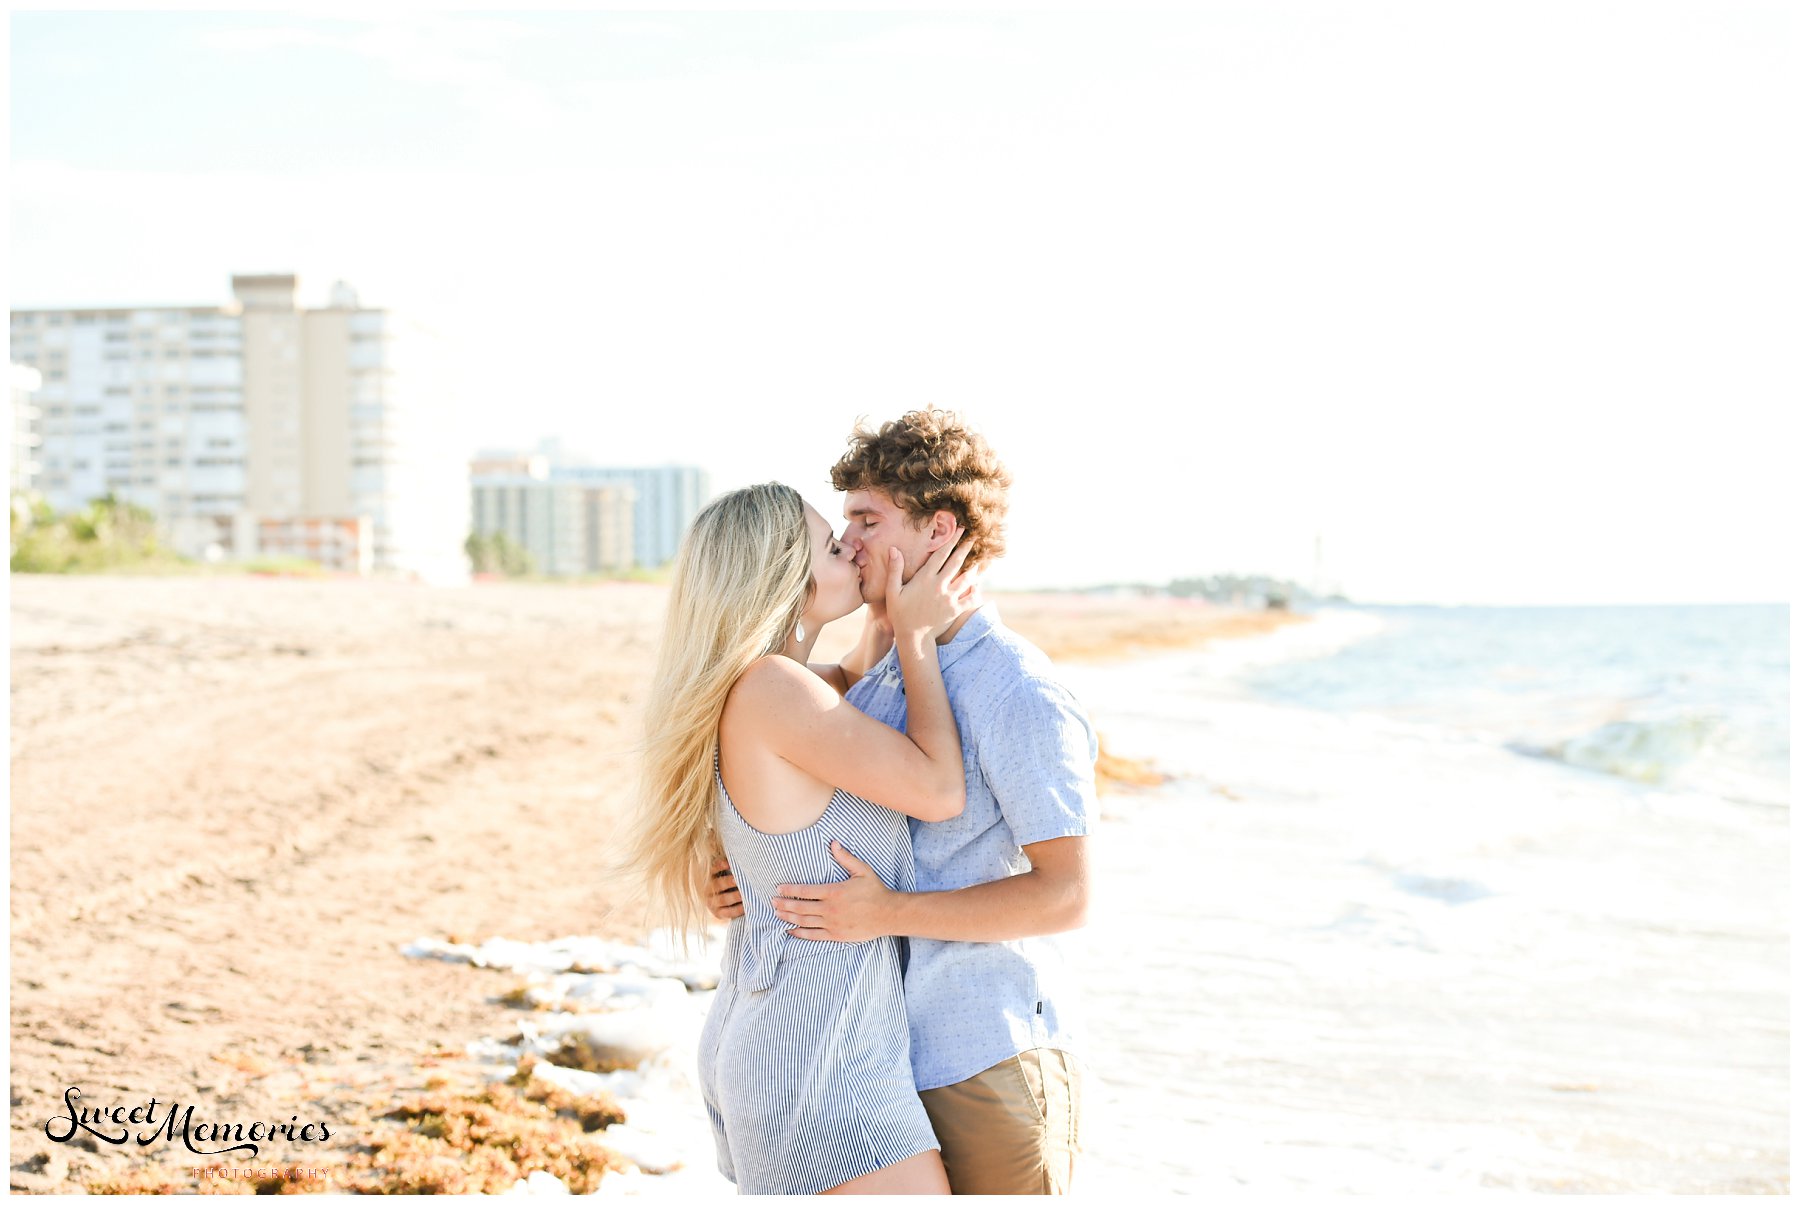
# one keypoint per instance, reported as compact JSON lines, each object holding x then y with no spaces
{"x":777,"y":682}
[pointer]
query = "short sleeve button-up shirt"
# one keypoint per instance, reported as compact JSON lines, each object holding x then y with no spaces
{"x":1028,"y":753}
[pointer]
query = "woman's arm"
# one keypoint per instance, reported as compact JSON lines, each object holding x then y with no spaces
{"x":929,"y":723}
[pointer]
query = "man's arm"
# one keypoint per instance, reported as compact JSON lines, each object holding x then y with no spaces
{"x":876,"y":639}
{"x":1051,"y":897}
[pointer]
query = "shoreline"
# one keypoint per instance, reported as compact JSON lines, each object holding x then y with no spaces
{"x":1303,"y":972}
{"x":1412,"y":961}
{"x":235,"y":799}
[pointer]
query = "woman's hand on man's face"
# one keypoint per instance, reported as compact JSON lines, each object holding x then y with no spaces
{"x":938,"y":592}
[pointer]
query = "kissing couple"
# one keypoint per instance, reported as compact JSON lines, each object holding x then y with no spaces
{"x":893,"y":838}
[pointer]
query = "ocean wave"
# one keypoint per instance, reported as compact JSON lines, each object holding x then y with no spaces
{"x":1643,"y":750}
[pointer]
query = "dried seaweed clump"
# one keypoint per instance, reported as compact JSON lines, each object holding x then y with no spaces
{"x":1113,"y":773}
{"x":1107,"y":635}
{"x":486,"y":1141}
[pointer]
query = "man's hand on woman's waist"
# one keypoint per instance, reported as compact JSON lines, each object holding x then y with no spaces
{"x":1051,"y":897}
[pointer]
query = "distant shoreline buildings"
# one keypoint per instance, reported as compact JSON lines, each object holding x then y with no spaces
{"x":250,"y":429}
{"x":1257,"y":591}
{"x":576,"y":518}
{"x":260,"y":428}
{"x":24,"y":382}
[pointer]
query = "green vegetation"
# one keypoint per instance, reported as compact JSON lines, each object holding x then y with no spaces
{"x":496,"y":554}
{"x":283,"y":566}
{"x":110,"y":535}
{"x":107,"y":535}
{"x":658,"y":576}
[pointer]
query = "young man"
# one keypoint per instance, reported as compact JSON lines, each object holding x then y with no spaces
{"x":987,"y":994}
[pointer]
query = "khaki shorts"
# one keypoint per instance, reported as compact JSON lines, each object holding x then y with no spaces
{"x":1015,"y":1128}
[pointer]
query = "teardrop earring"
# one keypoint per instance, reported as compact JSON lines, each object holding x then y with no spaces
{"x":800,"y":630}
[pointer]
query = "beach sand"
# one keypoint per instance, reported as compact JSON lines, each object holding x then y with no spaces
{"x":234,"y":800}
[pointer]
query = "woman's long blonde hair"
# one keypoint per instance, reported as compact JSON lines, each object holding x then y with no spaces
{"x":741,"y":581}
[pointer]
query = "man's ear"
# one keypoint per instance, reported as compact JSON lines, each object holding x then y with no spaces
{"x":943,"y":526}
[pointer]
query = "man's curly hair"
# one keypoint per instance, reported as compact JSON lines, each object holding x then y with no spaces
{"x":927,"y":461}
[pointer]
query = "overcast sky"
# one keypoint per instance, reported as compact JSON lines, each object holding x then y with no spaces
{"x":1496,"y":300}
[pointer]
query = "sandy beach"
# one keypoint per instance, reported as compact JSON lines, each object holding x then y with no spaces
{"x":235,"y":799}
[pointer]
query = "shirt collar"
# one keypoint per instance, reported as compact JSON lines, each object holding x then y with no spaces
{"x":975,"y":629}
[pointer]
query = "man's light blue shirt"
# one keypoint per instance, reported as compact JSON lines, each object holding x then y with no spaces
{"x":1028,"y":753}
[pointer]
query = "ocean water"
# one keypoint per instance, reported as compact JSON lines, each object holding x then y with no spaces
{"x":1674,"y":696}
{"x":1685,"y":696}
{"x":1440,"y":900}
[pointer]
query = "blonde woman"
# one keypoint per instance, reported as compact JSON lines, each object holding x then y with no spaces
{"x":805,"y":1061}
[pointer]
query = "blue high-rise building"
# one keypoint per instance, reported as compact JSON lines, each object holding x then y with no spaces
{"x":668,"y":498}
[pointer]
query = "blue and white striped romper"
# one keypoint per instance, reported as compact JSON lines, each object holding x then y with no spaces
{"x":805,"y":1062}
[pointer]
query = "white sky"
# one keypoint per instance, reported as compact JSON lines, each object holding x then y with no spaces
{"x":1498,"y":299}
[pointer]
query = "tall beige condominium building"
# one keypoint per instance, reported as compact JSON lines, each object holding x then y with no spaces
{"x":611,"y":523}
{"x":255,"y":417}
{"x":274,"y":344}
